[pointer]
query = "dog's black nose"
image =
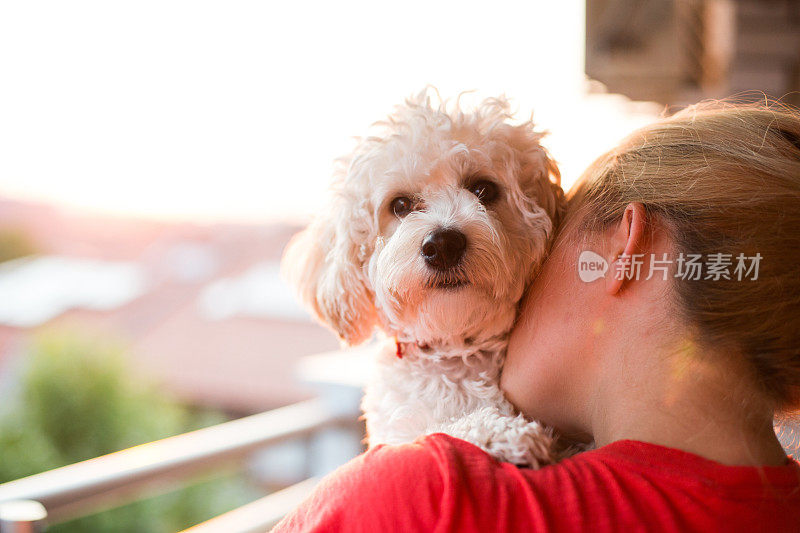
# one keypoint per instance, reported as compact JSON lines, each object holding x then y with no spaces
{"x":443,"y":248}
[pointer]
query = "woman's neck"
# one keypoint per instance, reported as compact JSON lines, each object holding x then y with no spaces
{"x":688,"y":399}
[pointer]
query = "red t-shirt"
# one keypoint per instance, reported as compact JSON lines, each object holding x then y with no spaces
{"x":440,"y":483}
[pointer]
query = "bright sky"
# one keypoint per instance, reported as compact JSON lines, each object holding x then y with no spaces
{"x":209,"y":110}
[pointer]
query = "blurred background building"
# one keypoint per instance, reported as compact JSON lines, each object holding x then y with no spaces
{"x":677,"y":52}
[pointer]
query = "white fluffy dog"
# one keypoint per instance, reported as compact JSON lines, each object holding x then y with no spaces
{"x":438,"y":222}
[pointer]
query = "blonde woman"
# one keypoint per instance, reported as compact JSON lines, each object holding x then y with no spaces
{"x":664,"y":326}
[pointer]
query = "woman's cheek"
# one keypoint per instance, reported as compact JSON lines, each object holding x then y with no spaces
{"x":533,"y":377}
{"x":543,"y":354}
{"x":515,"y":379}
{"x":531,"y":370}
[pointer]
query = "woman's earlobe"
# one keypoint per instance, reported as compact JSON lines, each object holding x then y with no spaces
{"x":615,"y":275}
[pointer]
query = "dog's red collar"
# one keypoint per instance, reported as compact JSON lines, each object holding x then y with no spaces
{"x":401,"y":347}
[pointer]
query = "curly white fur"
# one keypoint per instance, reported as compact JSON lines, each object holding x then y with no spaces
{"x":359,"y":266}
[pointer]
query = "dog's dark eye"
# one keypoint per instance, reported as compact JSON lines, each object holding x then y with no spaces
{"x":485,"y":190}
{"x":402,"y":205}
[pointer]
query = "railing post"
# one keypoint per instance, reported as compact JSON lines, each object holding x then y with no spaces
{"x":22,"y":516}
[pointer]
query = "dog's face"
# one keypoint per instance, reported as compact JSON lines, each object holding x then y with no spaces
{"x":436,"y":227}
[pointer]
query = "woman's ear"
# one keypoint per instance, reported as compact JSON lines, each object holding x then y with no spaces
{"x":627,"y":240}
{"x":325,"y":264}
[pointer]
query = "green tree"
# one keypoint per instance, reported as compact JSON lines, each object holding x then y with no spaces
{"x":76,"y":400}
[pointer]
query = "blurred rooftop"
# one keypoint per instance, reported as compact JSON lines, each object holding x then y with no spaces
{"x":201,"y":307}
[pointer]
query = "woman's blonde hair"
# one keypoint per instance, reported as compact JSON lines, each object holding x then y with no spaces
{"x":725,"y":178}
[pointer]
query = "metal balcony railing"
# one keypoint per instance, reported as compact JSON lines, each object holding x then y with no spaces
{"x":111,"y":480}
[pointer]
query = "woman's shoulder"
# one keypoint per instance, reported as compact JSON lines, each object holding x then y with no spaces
{"x":390,"y":488}
{"x":628,"y":465}
{"x":436,"y":482}
{"x":443,"y":483}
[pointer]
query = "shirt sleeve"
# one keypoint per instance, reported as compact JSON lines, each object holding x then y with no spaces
{"x":388,"y":488}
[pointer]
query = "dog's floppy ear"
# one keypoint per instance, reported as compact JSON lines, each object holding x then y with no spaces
{"x":540,"y":179}
{"x":325,"y":264}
